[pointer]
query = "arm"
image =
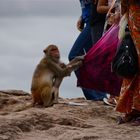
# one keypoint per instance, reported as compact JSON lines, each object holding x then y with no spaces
{"x":102,"y":6}
{"x":62,"y":70}
{"x":80,"y":24}
{"x":57,"y":69}
{"x":124,"y":6}
{"x":94,"y":1}
{"x":76,"y":62}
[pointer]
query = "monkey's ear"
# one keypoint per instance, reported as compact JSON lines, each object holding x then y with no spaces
{"x":45,"y":51}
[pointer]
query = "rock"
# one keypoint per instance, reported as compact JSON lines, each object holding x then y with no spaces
{"x":70,"y":119}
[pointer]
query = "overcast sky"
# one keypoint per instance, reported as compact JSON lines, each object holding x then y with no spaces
{"x":39,"y":7}
{"x":26,"y":28}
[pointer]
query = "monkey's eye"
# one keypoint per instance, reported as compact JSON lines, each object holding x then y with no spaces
{"x":54,"y":49}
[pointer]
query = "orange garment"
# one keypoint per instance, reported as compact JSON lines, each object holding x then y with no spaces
{"x":130,"y":91}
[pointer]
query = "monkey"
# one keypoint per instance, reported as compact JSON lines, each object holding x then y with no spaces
{"x":49,"y":74}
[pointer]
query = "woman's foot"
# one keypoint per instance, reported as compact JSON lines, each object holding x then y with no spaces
{"x":136,"y":122}
{"x":110,"y":101}
{"x":120,"y":120}
{"x":126,"y":118}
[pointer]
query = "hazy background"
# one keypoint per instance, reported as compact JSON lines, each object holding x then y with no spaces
{"x":26,"y":28}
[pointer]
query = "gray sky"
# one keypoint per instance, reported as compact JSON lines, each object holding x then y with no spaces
{"x":26,"y":28}
{"x":39,"y":7}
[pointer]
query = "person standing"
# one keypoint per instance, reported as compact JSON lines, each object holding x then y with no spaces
{"x":111,"y":8}
{"x":129,"y":101}
{"x":89,"y":25}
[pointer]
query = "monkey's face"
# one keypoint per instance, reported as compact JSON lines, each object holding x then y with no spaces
{"x":53,"y":52}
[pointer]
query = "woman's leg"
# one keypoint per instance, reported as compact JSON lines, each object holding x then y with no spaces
{"x":82,"y":45}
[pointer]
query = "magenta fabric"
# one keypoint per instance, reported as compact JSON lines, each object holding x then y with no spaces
{"x":95,"y":72}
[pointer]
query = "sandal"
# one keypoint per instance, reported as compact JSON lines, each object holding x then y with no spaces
{"x":110,"y":101}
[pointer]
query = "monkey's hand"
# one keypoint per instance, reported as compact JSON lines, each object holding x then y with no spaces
{"x":74,"y":66}
{"x":76,"y":62}
{"x":76,"y":59}
{"x":62,"y":65}
{"x":69,"y":70}
{"x":81,"y":57}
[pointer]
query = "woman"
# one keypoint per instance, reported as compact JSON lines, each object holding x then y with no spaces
{"x":129,"y":101}
{"x":86,"y":39}
{"x":111,"y":8}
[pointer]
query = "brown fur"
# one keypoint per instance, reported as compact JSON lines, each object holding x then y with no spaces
{"x":48,"y":76}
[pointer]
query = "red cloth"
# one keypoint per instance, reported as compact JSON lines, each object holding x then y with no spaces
{"x":95,"y":72}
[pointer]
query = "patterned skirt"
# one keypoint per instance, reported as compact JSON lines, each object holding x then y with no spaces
{"x":130,"y":91}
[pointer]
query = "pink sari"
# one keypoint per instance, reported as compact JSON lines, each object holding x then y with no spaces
{"x":95,"y":72}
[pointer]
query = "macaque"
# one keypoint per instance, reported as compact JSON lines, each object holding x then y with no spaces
{"x":48,"y":76}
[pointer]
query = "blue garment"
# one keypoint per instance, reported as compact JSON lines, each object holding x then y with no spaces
{"x":82,"y":45}
{"x":84,"y":42}
{"x":97,"y":22}
{"x":95,"y":17}
{"x":97,"y":31}
{"x":93,"y":94}
{"x":85,"y":6}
